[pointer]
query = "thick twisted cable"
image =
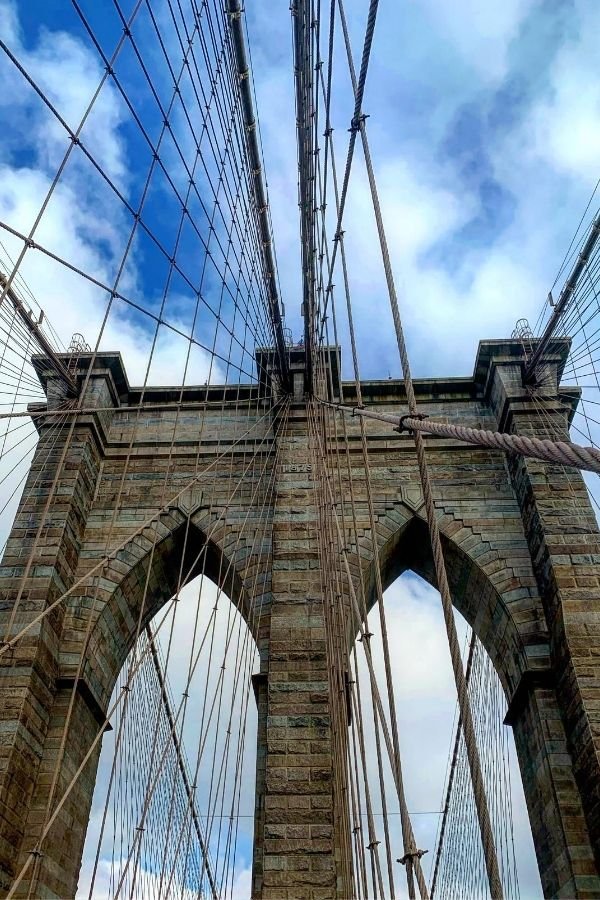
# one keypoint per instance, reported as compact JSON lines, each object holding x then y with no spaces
{"x":564,"y":453}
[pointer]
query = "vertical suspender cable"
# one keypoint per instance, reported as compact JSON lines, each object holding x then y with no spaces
{"x":481,"y":803}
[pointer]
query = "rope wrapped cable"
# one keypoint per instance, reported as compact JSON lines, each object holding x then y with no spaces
{"x":564,"y":453}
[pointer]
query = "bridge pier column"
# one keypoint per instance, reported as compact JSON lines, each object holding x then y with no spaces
{"x":297,"y":852}
{"x":35,"y":695}
{"x":561,"y":739}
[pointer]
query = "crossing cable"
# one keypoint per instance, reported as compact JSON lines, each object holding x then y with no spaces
{"x":410,"y":854}
{"x":440,"y":842}
{"x":180,"y":758}
{"x":194,"y":479}
{"x":407,"y":829}
{"x":124,"y":474}
{"x":236,"y":149}
{"x":135,"y":667}
{"x":440,"y":568}
{"x":38,"y":335}
{"x":409,"y":844}
{"x":363,"y":631}
{"x":228,"y":360}
{"x":116,"y":508}
{"x":112,"y":709}
{"x":203,"y":554}
{"x":355,"y":127}
{"x":153,"y":783}
{"x":112,"y":293}
{"x":157,"y":161}
{"x":76,"y":140}
{"x":358,"y":118}
{"x":115,"y":294}
{"x":191,"y":670}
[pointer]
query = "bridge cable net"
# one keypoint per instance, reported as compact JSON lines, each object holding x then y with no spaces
{"x":491,"y":846}
{"x":188,"y":286}
{"x":196,"y":218}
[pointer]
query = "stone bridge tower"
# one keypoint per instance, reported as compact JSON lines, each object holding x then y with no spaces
{"x":523,"y":555}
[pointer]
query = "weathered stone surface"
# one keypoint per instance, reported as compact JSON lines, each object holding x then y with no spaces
{"x":523,"y":555}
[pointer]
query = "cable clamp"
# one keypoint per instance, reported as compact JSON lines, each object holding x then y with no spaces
{"x":402,"y":427}
{"x":357,"y":121}
{"x":373,"y":845}
{"x":366,"y":636}
{"x":411,"y":856}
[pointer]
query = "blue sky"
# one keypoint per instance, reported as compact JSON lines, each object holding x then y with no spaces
{"x":484,"y":125}
{"x":484,"y":122}
{"x":484,"y":130}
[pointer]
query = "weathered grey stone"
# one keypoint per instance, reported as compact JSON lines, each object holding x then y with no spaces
{"x":523,"y":556}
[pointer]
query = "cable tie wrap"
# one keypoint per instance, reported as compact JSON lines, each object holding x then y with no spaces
{"x":357,"y":121}
{"x":402,"y":427}
{"x":411,"y":855}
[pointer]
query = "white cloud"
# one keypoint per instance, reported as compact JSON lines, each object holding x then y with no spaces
{"x":83,"y":222}
{"x":563,"y":127}
{"x":480,"y":32}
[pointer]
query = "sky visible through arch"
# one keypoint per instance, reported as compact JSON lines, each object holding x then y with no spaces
{"x":484,"y":120}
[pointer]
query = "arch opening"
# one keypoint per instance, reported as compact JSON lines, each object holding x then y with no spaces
{"x":426,"y":707}
{"x":172,"y":810}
